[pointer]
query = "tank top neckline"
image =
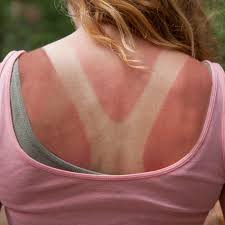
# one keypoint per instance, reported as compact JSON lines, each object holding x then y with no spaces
{"x":135,"y":176}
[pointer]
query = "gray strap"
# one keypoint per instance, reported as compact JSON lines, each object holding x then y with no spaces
{"x":25,"y":135}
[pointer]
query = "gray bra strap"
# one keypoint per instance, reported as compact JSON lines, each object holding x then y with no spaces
{"x":25,"y":135}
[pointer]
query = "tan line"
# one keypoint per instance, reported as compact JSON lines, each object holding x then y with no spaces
{"x":104,"y":134}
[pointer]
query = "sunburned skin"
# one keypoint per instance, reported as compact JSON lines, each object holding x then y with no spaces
{"x":93,"y":111}
{"x":53,"y":118}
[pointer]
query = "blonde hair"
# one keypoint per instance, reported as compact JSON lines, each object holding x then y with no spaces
{"x":173,"y":24}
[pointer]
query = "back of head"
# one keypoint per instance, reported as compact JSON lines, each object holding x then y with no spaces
{"x":178,"y":25}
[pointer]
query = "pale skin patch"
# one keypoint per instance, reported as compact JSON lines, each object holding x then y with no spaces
{"x":121,"y":134}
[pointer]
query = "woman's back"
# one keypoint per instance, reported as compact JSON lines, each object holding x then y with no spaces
{"x":99,"y":114}
{"x":183,"y":193}
{"x":120,"y":145}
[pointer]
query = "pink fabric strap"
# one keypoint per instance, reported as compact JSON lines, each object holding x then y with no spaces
{"x":10,"y":58}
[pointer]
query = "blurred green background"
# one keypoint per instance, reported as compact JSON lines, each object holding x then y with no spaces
{"x":29,"y":24}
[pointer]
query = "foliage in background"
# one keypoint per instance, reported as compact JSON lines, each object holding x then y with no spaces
{"x":29,"y":24}
{"x":216,"y":11}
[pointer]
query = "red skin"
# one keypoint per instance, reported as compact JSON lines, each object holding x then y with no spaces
{"x":181,"y":119}
{"x":54,"y":120}
{"x":58,"y":126}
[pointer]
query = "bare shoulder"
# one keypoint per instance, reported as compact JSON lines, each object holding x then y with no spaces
{"x":195,"y":80}
{"x":193,"y":84}
{"x":194,"y":89}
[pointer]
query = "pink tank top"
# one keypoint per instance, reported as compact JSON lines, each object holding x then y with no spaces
{"x":180,"y":194}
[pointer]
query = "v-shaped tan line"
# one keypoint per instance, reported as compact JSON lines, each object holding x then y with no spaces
{"x":142,"y":118}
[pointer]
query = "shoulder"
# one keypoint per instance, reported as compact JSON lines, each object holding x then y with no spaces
{"x":193,"y":82}
{"x":190,"y":93}
{"x":193,"y":90}
{"x":195,"y":79}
